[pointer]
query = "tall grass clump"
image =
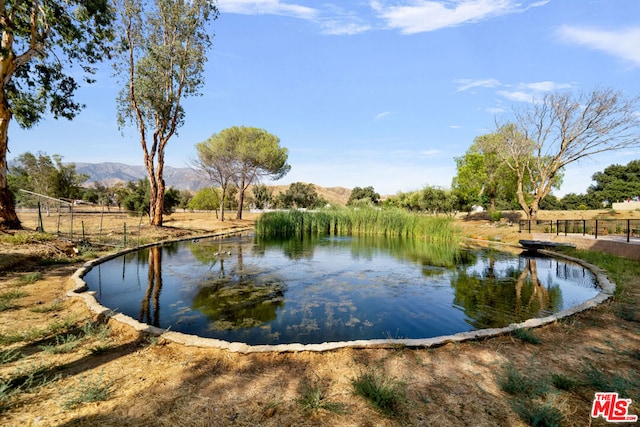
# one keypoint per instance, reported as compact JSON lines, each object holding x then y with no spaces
{"x":361,"y":221}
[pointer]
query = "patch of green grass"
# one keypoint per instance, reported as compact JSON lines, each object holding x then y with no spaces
{"x":28,"y":378}
{"x":100,"y":348}
{"x":62,"y":344}
{"x":313,"y":397}
{"x":13,"y":295}
{"x":96,"y":329}
{"x":527,"y":335}
{"x":619,"y":270}
{"x":604,"y":381}
{"x":7,"y":299}
{"x":538,"y":415}
{"x":9,"y":355}
{"x":88,"y":390}
{"x":516,"y":384}
{"x":30,"y":278}
{"x":22,"y":238}
{"x":386,"y":394}
{"x":55,"y":306}
{"x":563,"y":382}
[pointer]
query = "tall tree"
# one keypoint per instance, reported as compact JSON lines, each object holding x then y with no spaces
{"x":46,"y":175}
{"x":40,"y":40}
{"x":165,"y":44}
{"x":561,"y":129}
{"x":216,"y":159}
{"x":482,"y":177}
{"x":257,"y":155}
{"x":616,"y":183}
{"x":366,"y":195}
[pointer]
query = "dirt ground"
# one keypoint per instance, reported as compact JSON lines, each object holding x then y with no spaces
{"x":113,"y":376}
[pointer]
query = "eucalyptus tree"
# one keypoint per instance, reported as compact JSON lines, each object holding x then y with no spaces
{"x":559,"y":130}
{"x":164,"y":45}
{"x":40,"y":42}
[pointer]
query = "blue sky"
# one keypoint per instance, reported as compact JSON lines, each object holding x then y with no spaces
{"x":375,"y":92}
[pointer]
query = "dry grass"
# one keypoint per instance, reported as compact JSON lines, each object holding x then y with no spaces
{"x":152,"y":382}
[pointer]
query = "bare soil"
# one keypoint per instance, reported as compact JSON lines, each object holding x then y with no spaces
{"x":152,"y":382}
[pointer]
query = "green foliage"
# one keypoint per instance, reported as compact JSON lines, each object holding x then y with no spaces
{"x":606,"y":381}
{"x":313,"y":397}
{"x":262,"y":197}
{"x":88,"y":390}
{"x":429,"y":199}
{"x":30,"y":278}
{"x":516,"y":384}
{"x":538,"y":414}
{"x":616,"y":183}
{"x":527,"y":335}
{"x":136,"y":196}
{"x":386,"y":394}
{"x":206,"y":199}
{"x":300,"y":195}
{"x":483,"y":178}
{"x":564,"y":382}
{"x":382,"y":222}
{"x":46,"y":175}
{"x":495,"y":215}
{"x":366,"y":196}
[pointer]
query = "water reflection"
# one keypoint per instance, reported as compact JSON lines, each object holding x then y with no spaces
{"x":333,"y":288}
{"x":497,"y":296}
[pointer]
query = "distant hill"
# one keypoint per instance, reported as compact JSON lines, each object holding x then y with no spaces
{"x":109,"y":174}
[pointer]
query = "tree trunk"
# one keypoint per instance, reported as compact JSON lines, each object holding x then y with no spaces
{"x":8,"y":217}
{"x":240,"y":199}
{"x":159,"y":200}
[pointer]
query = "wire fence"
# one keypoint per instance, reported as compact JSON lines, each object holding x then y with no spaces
{"x":624,"y":228}
{"x":81,"y":222}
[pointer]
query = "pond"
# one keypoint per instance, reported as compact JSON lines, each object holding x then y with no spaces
{"x":314,"y":290}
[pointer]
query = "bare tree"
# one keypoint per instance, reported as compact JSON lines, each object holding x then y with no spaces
{"x":561,"y":129}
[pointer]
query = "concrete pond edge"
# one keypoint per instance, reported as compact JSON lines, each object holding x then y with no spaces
{"x":79,"y":289}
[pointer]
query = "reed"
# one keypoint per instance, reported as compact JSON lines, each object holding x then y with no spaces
{"x":367,"y":222}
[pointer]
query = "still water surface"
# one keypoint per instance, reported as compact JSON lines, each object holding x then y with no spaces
{"x":333,"y":288}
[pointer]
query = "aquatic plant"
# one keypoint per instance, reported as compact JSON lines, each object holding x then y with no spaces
{"x":359,"y":221}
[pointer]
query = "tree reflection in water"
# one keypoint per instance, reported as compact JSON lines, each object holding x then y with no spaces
{"x":148,"y":314}
{"x":494,"y":298}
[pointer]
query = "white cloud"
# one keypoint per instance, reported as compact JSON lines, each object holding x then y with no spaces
{"x":620,"y":43}
{"x":266,"y":7}
{"x":331,"y":20}
{"x":430,"y":15}
{"x":381,"y":116}
{"x":529,"y":92}
{"x":466,"y":84}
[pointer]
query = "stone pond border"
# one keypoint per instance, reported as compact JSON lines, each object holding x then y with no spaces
{"x":79,"y":290}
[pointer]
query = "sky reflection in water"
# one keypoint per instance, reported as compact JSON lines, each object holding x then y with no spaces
{"x":333,"y":288}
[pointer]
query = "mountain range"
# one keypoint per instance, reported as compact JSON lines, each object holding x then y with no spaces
{"x":109,"y":174}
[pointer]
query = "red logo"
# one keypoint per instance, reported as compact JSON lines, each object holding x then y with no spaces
{"x":612,"y":408}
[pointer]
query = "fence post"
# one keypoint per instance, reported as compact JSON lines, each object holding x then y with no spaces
{"x":557,"y":227}
{"x":584,"y":227}
{"x":71,"y":226}
{"x":628,"y":229}
{"x":59,"y":216}
{"x":596,"y":232}
{"x":40,"y":227}
{"x":125,"y":234}
{"x":566,"y":225}
{"x":100,"y":230}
